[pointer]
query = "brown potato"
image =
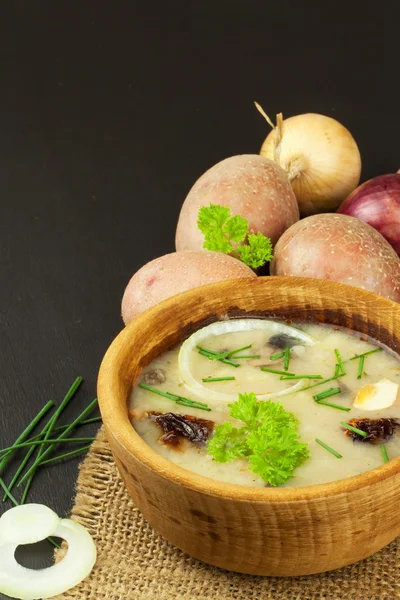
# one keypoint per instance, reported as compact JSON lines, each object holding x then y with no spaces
{"x":174,"y":273}
{"x":339,"y":248}
{"x":252,"y":186}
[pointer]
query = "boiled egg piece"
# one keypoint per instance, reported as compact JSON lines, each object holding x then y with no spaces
{"x":377,"y":396}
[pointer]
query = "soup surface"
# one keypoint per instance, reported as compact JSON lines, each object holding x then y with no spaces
{"x":360,"y":392}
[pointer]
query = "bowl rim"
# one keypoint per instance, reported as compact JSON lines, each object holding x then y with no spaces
{"x":118,"y":424}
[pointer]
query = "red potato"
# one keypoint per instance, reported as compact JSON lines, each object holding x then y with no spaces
{"x":252,"y":186}
{"x":339,"y":248}
{"x":174,"y":273}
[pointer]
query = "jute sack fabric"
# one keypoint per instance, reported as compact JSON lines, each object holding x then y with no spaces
{"x":135,"y":563}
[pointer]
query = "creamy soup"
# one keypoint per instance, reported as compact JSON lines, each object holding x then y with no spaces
{"x":289,"y":366}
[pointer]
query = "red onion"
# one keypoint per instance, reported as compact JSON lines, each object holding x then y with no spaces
{"x":377,"y":202}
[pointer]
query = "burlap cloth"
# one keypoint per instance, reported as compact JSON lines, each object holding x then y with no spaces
{"x":135,"y":563}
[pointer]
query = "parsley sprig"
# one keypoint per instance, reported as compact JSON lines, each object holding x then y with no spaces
{"x":229,"y":234}
{"x":269,"y":439}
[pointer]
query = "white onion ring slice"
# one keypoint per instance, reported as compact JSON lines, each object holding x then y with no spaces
{"x":27,"y":524}
{"x":221,"y":327}
{"x":19,"y":582}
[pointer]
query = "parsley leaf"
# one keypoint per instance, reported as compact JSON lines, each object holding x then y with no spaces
{"x":229,"y":234}
{"x":257,"y":252}
{"x":269,"y":440}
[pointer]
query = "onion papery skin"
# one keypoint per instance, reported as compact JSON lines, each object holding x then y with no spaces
{"x":377,"y":202}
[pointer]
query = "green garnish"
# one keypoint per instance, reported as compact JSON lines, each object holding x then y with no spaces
{"x":364,"y":354}
{"x":331,"y":450}
{"x":247,"y":356}
{"x":210,"y":355}
{"x":384,"y":453}
{"x":43,"y":443}
{"x":287,"y":359}
{"x":269,"y":439}
{"x":331,"y":405}
{"x":61,"y":437}
{"x":66,"y":455}
{"x":340,"y":362}
{"x":321,"y":382}
{"x":229,"y":234}
{"x":327,"y":393}
{"x":277,"y":355}
{"x":354,"y":429}
{"x":177,"y":399}
{"x":337,"y":369}
{"x":289,"y":376}
{"x":211,"y":379}
{"x":230,"y":352}
{"x":277,"y":372}
{"x":360,"y":367}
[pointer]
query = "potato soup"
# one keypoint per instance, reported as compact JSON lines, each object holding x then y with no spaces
{"x":262,"y":403}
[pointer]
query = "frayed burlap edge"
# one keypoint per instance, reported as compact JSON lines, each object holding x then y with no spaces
{"x":135,"y":563}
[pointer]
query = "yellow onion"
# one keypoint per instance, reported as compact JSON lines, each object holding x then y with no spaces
{"x":320,"y":157}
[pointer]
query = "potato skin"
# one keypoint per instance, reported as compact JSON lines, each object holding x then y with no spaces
{"x":252,"y":186}
{"x":339,"y":248}
{"x":174,"y":273}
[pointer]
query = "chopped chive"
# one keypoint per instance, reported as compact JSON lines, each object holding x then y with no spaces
{"x":327,"y":393}
{"x":277,"y":372}
{"x":277,"y":355}
{"x":287,"y":376}
{"x":178,"y":399}
{"x":233,"y":352}
{"x":8,"y":493}
{"x":248,"y":356}
{"x":26,"y":432}
{"x":360,"y":367}
{"x":63,"y":428}
{"x":340,"y":362}
{"x":337,"y":369}
{"x":354,"y":429}
{"x":287,"y":359}
{"x":321,"y":382}
{"x":331,"y":450}
{"x":331,"y":405}
{"x":364,"y":354}
{"x":211,"y":379}
{"x":44,"y":442}
{"x":193,"y":405}
{"x":210,"y":354}
{"x":19,"y":470}
{"x":66,"y":455}
{"x":60,"y":438}
{"x":384,"y":453}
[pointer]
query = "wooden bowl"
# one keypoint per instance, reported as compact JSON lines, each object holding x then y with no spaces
{"x":262,"y":531}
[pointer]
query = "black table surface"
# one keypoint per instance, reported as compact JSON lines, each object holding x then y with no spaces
{"x":108,"y":114}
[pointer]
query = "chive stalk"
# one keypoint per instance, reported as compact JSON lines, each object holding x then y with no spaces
{"x":331,"y":450}
{"x":211,"y":379}
{"x":21,"y":438}
{"x":327,"y":393}
{"x":248,"y":356}
{"x":340,"y":362}
{"x":45,"y":442}
{"x":267,"y":370}
{"x":287,"y":359}
{"x":177,"y":399}
{"x":364,"y":354}
{"x":60,"y":438}
{"x":331,"y":405}
{"x":66,"y":455}
{"x":277,"y":355}
{"x":384,"y":453}
{"x":354,"y":429}
{"x":230,"y":352}
{"x":286,"y":376}
{"x":360,"y":367}
{"x":210,"y":354}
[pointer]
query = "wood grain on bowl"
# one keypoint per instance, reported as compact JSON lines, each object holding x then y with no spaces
{"x":264,"y":531}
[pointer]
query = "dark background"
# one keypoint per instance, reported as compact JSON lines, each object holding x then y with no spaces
{"x":107,"y":117}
